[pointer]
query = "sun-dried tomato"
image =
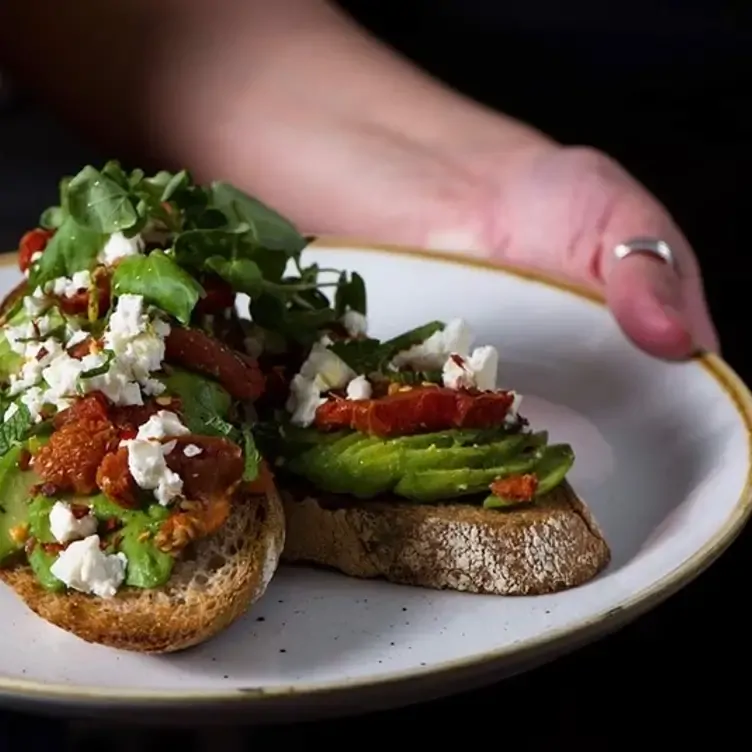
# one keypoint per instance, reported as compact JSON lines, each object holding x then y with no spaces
{"x":115,"y":480}
{"x":34,"y":241}
{"x":209,"y":474}
{"x":519,"y":488}
{"x":73,"y":453}
{"x":78,"y":304}
{"x":416,"y":410}
{"x":237,"y":373}
{"x":219,"y":295}
{"x":94,"y":406}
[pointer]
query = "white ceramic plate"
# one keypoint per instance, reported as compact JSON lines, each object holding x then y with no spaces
{"x":663,"y":459}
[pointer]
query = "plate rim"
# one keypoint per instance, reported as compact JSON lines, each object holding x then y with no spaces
{"x":31,"y":691}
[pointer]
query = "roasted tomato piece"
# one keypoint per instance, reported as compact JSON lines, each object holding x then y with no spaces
{"x":78,"y":304}
{"x":237,"y":373}
{"x":115,"y":480}
{"x":128,"y":419}
{"x":520,"y":488}
{"x":94,"y":407}
{"x":70,"y":459}
{"x":217,"y":468}
{"x":193,"y":520}
{"x":34,"y":241}
{"x":219,"y":295}
{"x":416,"y":410}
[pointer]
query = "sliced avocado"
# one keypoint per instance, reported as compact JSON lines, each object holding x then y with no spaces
{"x":39,"y":559}
{"x":551,"y":470}
{"x":479,"y":456}
{"x":436,"y":485}
{"x":148,"y":567}
{"x":15,"y":491}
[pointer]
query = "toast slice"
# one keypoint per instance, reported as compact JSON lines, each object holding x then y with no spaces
{"x":226,"y":574}
{"x":553,"y":545}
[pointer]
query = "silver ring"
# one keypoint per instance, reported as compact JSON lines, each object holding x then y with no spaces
{"x":660,"y":249}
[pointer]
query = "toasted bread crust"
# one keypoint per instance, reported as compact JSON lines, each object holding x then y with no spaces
{"x":229,"y":572}
{"x":544,"y":548}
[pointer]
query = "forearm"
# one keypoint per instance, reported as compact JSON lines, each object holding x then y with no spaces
{"x":275,"y":96}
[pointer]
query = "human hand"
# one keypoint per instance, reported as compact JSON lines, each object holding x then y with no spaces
{"x":563,"y":210}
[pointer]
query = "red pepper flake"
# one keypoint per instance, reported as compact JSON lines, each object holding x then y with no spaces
{"x":31,"y":544}
{"x":458,"y":360}
{"x":79,"y":511}
{"x":47,"y":489}
{"x":54,"y":549}
{"x":128,"y":433}
{"x":111,"y":524}
{"x":42,"y":353}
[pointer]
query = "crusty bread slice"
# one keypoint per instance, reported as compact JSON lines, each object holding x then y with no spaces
{"x":552,"y":545}
{"x":227,"y":573}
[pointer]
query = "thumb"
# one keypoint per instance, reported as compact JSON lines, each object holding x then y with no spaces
{"x":661,"y":307}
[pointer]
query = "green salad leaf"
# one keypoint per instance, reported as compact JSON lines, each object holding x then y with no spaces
{"x":72,"y":249}
{"x":16,"y":429}
{"x":372,"y":356}
{"x":161,"y":282}
{"x":101,"y":201}
{"x":251,"y":456}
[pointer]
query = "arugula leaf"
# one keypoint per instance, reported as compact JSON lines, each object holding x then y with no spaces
{"x":72,"y":249}
{"x":301,"y":325}
{"x":243,"y":275}
{"x":194,"y":248}
{"x":411,"y":338}
{"x":251,"y":456}
{"x":160,"y":281}
{"x":267,"y":228}
{"x":52,"y":218}
{"x":15,"y":429}
{"x":351,"y":293}
{"x":99,"y":370}
{"x":372,"y":356}
{"x":205,"y":403}
{"x":100,"y":202}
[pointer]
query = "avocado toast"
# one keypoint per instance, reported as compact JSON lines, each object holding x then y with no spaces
{"x":136,"y":511}
{"x":401,"y":459}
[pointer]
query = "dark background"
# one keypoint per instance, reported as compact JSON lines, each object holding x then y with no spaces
{"x":665,"y":88}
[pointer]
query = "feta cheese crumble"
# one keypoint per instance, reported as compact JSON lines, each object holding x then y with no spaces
{"x":67,"y":287}
{"x":83,"y":566}
{"x":146,"y":456}
{"x":355,"y":323}
{"x":118,"y":246}
{"x":478,"y":371}
{"x":133,"y":348}
{"x":359,"y":389}
{"x":431,"y":354}
{"x":65,"y":526}
{"x":322,"y":371}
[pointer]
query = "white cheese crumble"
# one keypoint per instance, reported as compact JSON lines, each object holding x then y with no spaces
{"x":478,"y":371}
{"x":49,"y":375}
{"x":65,"y":526}
{"x":191,"y":450}
{"x":118,"y":246}
{"x":355,"y":323}
{"x":83,"y":566}
{"x":359,"y":389}
{"x":161,"y":425}
{"x":146,"y":456}
{"x":322,"y":371}
{"x":36,"y":303}
{"x":67,"y":287}
{"x":431,"y":354}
